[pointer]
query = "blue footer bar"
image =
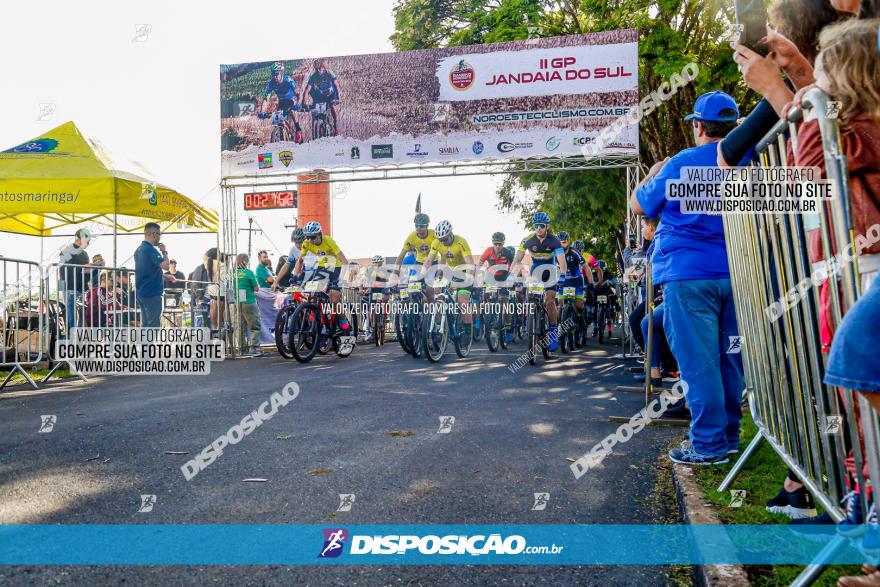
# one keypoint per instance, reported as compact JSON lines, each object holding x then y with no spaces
{"x":208,"y":544}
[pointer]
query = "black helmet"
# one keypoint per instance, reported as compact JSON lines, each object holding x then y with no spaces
{"x":422,"y":220}
{"x":579,"y":246}
{"x":562,"y":235}
{"x":297,"y":235}
{"x":498,"y":237}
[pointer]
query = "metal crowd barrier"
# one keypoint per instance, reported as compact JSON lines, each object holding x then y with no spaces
{"x":24,"y":338}
{"x":88,"y":297}
{"x":38,"y":306}
{"x":813,"y":427}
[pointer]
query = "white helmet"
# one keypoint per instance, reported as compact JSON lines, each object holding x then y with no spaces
{"x":378,"y":259}
{"x":443,"y":229}
{"x":312,"y":228}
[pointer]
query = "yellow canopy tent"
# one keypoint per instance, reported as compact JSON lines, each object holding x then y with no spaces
{"x":61,"y":178}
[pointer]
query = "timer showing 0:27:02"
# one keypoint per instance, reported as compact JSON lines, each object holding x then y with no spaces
{"x":270,"y":200}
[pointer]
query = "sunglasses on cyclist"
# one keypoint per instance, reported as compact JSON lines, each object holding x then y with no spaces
{"x":313,"y":237}
{"x":421,"y":226}
{"x":539,"y":225}
{"x":498,"y":244}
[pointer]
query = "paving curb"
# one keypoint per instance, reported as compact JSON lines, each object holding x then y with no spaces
{"x":694,"y":510}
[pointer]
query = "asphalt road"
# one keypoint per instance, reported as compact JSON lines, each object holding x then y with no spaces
{"x":511,"y":437}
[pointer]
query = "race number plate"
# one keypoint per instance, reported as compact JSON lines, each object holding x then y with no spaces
{"x":414,"y":287}
{"x":568,"y":291}
{"x":490,"y":289}
{"x":378,"y":296}
{"x":441,"y":282}
{"x":602,"y":299}
{"x":536,"y":288}
{"x":404,"y":294}
{"x":317,"y":285}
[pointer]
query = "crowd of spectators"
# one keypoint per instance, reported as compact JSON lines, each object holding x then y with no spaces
{"x":832,"y":46}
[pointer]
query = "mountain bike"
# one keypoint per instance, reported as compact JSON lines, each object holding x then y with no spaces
{"x":569,"y":320}
{"x":378,"y":307}
{"x":443,"y":321}
{"x":323,"y":120}
{"x":536,"y":323}
{"x":603,"y":316}
{"x":284,"y":319}
{"x":282,"y":127}
{"x":498,"y":318}
{"x":314,"y":326}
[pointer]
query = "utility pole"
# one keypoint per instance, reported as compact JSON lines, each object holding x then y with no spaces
{"x":250,"y":230}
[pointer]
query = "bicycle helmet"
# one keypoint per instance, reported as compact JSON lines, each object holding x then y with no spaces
{"x":277,"y":67}
{"x":540,"y":218}
{"x":563,"y":236}
{"x":377,"y":259}
{"x":579,"y":246}
{"x":297,"y":235}
{"x":498,"y":237}
{"x":312,"y":228}
{"x":422,"y":220}
{"x":443,"y":229}
{"x":602,"y":263}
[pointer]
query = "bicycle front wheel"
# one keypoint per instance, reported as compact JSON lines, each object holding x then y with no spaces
{"x":435,"y":334}
{"x":304,"y":332}
{"x":282,"y":327}
{"x":462,"y":341}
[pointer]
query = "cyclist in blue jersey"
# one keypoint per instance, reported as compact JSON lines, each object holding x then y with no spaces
{"x":284,"y":87}
{"x":322,"y":88}
{"x":574,"y":277}
{"x":548,"y":265}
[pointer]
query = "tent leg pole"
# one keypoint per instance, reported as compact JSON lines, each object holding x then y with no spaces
{"x":115,"y":234}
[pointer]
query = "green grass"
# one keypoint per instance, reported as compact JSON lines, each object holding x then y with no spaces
{"x":36,"y":374}
{"x":761,"y":478}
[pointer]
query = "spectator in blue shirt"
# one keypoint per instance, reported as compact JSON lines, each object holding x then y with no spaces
{"x":690,"y":261}
{"x":149,"y":260}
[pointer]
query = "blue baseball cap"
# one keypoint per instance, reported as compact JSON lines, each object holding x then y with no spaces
{"x":710,"y":105}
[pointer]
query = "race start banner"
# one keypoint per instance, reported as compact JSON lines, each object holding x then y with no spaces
{"x":515,"y":100}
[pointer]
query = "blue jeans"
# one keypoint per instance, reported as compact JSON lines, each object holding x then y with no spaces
{"x":70,"y":310}
{"x":657,"y":338}
{"x":151,"y":311}
{"x":699,"y":319}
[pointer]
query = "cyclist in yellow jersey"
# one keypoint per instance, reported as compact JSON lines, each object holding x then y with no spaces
{"x":419,"y":244}
{"x":419,"y":241}
{"x":453,"y":251}
{"x":330,"y":259}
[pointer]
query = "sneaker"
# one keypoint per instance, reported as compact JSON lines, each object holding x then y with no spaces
{"x":369,"y":333}
{"x":797,"y":504}
{"x":678,"y":410}
{"x":508,"y":337}
{"x":553,"y":336}
{"x":853,"y":524}
{"x":686,"y":455}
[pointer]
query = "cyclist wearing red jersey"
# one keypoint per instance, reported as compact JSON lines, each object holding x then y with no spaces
{"x":500,"y":258}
